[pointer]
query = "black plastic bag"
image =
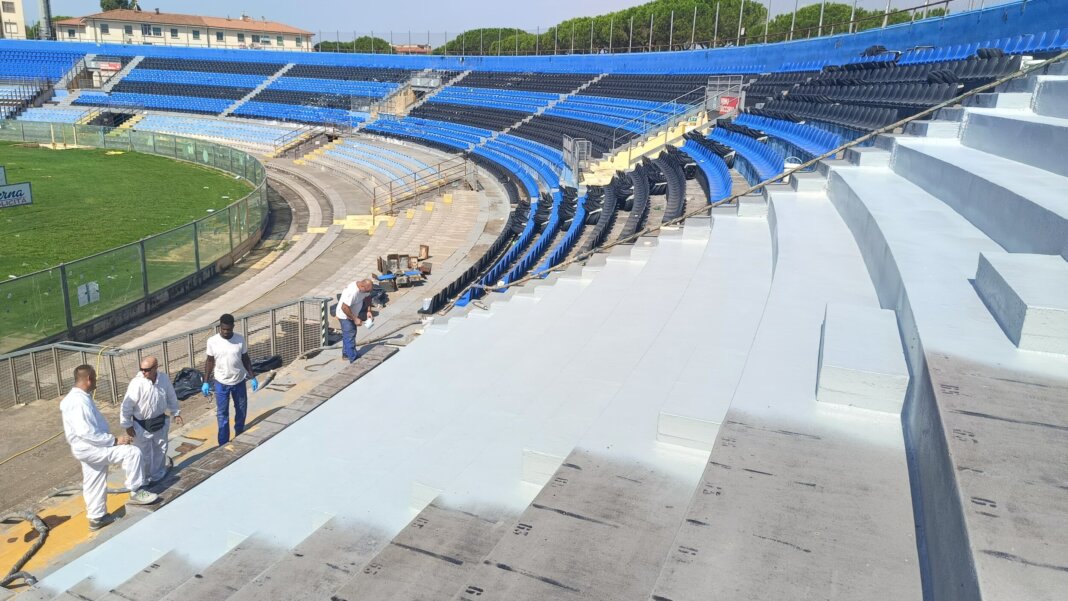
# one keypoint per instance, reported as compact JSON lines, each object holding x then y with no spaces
{"x":267,"y":364}
{"x":187,"y":383}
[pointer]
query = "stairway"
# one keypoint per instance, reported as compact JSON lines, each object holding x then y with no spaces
{"x":115,"y":79}
{"x":429,"y":95}
{"x":551,"y":104}
{"x":233,"y":107}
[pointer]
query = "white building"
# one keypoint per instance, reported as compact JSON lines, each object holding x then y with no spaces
{"x":14,"y":20}
{"x":170,"y":29}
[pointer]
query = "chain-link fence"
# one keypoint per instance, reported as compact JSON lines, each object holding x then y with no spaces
{"x":47,"y":303}
{"x":47,"y":372}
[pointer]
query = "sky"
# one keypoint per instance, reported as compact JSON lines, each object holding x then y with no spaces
{"x":417,"y":15}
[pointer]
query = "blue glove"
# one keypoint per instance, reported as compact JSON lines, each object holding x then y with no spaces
{"x":255,"y":385}
{"x":206,"y":389}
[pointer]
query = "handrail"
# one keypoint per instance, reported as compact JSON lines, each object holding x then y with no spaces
{"x":803,"y":167}
{"x":385,"y":197}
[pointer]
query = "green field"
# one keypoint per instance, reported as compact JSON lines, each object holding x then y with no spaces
{"x":87,"y":201}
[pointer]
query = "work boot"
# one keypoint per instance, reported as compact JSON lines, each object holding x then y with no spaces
{"x":95,"y":525}
{"x":142,"y":497}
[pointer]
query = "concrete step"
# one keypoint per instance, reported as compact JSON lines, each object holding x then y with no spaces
{"x":152,"y":583}
{"x":1051,"y":96}
{"x":933,"y":129}
{"x":1010,"y":202}
{"x":999,"y":100}
{"x":240,"y":565}
{"x":1028,"y":296}
{"x":870,"y":156}
{"x":316,"y":567}
{"x":1023,"y":136}
{"x":429,"y":559}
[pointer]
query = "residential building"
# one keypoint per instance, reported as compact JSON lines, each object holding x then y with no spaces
{"x":14,"y":20}
{"x":172,"y":29}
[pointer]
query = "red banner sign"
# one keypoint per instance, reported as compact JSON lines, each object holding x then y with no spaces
{"x":727,"y":104}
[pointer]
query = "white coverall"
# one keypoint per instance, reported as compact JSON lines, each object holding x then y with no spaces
{"x":145,"y":400}
{"x":92,"y":444}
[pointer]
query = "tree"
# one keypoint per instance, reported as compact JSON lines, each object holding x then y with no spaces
{"x":33,"y":31}
{"x":106,"y":5}
{"x":470,"y":41}
{"x":364,"y":44}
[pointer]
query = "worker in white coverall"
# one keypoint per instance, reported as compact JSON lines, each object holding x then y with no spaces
{"x":143,"y":413}
{"x":92,"y":444}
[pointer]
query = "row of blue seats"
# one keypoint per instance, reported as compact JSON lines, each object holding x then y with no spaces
{"x":552,"y":155}
{"x":812,"y":140}
{"x":716,"y":173}
{"x":606,"y":120}
{"x":557,"y":254}
{"x":476,"y":134}
{"x":544,"y":169}
{"x":647,"y":118}
{"x":540,"y":244}
{"x":379,"y":151}
{"x":300,"y":113}
{"x":49,"y":115}
{"x":1032,"y":43}
{"x":186,"y":104}
{"x":631,"y":103}
{"x":31,"y":64}
{"x":764,"y":160}
{"x":201,"y":78}
{"x":364,"y":163}
{"x":370,"y":89}
{"x":522,"y":172}
{"x":200,"y":127}
{"x":442,"y":134}
{"x":395,"y":168}
{"x":494,"y":274}
{"x":491,"y":97}
{"x":17,"y":93}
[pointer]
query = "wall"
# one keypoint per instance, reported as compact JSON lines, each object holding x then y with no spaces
{"x":13,"y":24}
{"x":995,"y":22}
{"x":91,"y":34}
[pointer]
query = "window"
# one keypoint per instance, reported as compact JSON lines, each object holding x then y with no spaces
{"x":11,"y":27}
{"x":255,"y":39}
{"x":157,"y":31}
{"x":266,"y":41}
{"x":174,"y":32}
{"x":218,"y":36}
{"x":196,"y":34}
{"x":104,"y":29}
{"x":127,"y":29}
{"x":300,"y":41}
{"x":146,"y":29}
{"x":281,"y":41}
{"x":71,"y":34}
{"x":240,"y":38}
{"x":9,"y":7}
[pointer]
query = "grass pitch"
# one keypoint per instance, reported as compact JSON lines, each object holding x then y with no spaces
{"x":86,"y":201}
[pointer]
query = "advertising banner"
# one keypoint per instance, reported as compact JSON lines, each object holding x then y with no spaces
{"x":15,"y":195}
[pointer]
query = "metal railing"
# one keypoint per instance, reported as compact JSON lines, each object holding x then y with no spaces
{"x":47,"y":372}
{"x":74,"y":300}
{"x":387,"y":198}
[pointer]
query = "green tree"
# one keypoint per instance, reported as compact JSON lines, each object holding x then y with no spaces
{"x":469,"y":42}
{"x":33,"y":31}
{"x":364,"y":44}
{"x":106,"y":5}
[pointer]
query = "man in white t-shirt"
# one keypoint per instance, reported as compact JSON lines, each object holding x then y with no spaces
{"x":353,"y":308}
{"x":228,"y":364}
{"x":143,"y":413}
{"x":92,"y":444}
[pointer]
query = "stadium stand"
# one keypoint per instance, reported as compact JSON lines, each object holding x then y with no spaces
{"x":693,"y":415}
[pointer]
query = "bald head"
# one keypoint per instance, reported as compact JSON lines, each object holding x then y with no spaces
{"x":364,"y":285}
{"x":149,"y":368}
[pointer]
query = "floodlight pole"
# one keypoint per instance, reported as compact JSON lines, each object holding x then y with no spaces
{"x":499,"y":39}
{"x":630,"y":43}
{"x":611,"y":32}
{"x":819,"y":28}
{"x":651,"y":32}
{"x":572,"y":37}
{"x":793,"y":20}
{"x":693,"y":30}
{"x":591,"y":36}
{"x":852,"y":16}
{"x":671,"y":30}
{"x":481,"y":34}
{"x":741,"y":14}
{"x":556,"y":39}
{"x":715,"y":32}
{"x":537,"y":42}
{"x":767,"y":20}
{"x":886,"y":13}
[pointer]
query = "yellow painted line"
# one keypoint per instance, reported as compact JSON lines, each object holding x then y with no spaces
{"x":266,"y":260}
{"x":410,"y":213}
{"x":319,"y":230}
{"x":447,"y":199}
{"x":428,"y":206}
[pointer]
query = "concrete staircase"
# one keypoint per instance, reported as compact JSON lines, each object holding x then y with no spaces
{"x":115,"y":79}
{"x":426,"y":97}
{"x":551,"y":104}
{"x":233,"y":107}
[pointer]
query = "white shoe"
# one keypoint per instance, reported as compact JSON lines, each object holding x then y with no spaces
{"x":143,"y":497}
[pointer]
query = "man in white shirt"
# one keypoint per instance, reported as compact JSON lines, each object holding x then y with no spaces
{"x":353,"y":308}
{"x":92,"y":444}
{"x":229,"y":365}
{"x":144,"y":415}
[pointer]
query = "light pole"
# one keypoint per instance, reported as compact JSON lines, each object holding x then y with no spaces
{"x":741,"y":13}
{"x":793,"y":20}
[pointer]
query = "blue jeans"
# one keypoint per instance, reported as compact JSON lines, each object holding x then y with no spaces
{"x":223,"y":393}
{"x":348,"y":339}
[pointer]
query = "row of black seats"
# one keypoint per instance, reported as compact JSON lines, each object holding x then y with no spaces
{"x":684,"y":89}
{"x":550,"y":130}
{"x":636,"y":200}
{"x":671,"y":168}
{"x":335,"y":101}
{"x":749,"y":132}
{"x":493,"y":119}
{"x":174,"y":89}
{"x":846,"y":115}
{"x":208,"y":66}
{"x":964,"y":70}
{"x":912,"y":95}
{"x":554,"y":83}
{"x":349,"y":73}
{"x":420,"y":141}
